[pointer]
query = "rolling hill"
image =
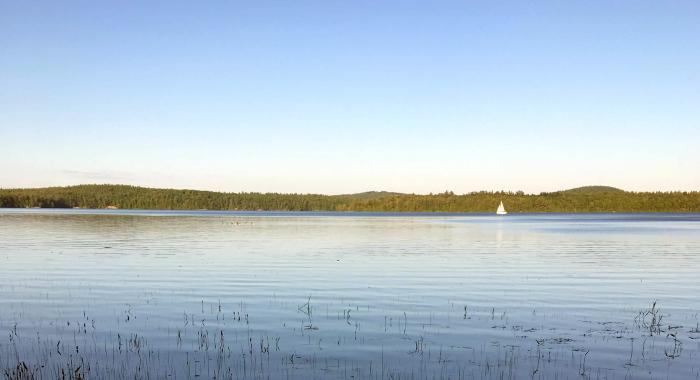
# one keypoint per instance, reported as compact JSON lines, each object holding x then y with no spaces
{"x":582,"y":199}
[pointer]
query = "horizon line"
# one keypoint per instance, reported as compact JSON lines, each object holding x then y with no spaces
{"x":516,"y":192}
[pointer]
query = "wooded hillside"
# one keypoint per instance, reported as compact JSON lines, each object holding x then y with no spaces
{"x":586,"y":199}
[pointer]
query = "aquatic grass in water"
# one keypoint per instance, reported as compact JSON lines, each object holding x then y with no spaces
{"x":258,"y":297}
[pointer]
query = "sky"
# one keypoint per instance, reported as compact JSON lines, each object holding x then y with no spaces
{"x":347,"y":96}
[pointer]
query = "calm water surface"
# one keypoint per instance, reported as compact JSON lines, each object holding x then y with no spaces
{"x":325,"y":295}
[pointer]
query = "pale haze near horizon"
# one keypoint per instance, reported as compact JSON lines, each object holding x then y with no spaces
{"x":342,"y":97}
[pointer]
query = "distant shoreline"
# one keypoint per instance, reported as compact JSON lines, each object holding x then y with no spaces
{"x":590,"y":199}
{"x":671,"y":216}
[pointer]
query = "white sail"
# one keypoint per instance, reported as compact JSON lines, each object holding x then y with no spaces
{"x":501,"y":210}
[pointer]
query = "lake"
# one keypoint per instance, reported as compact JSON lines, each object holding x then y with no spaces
{"x":256,"y":295}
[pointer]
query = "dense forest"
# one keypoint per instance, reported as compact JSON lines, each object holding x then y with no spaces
{"x":585,"y":199}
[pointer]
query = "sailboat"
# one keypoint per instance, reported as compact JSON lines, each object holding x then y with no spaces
{"x":501,"y":210}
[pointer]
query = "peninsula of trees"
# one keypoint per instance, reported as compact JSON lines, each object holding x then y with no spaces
{"x":584,"y":199}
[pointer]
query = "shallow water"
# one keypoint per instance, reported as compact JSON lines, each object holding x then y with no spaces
{"x":326,"y":295}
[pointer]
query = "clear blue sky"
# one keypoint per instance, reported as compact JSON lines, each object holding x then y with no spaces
{"x":346,"y":96}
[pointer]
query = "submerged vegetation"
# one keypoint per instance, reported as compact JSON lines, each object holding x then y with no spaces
{"x":584,"y":199}
{"x":221,"y":341}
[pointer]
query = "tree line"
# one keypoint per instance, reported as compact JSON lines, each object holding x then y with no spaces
{"x":590,"y":199}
